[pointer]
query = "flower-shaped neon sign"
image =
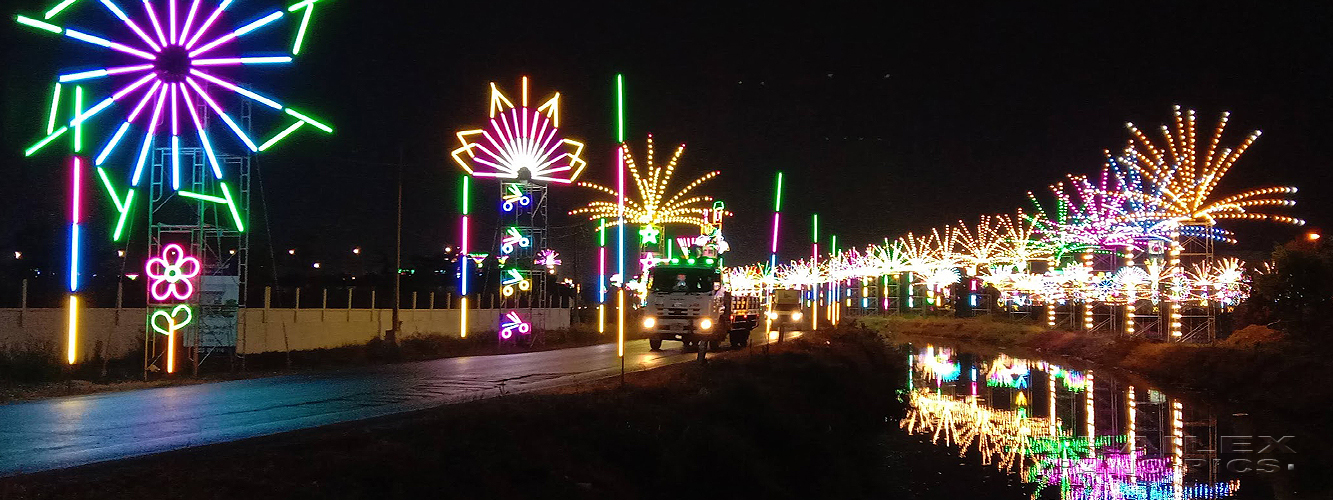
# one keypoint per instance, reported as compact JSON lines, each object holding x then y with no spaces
{"x":169,"y":275}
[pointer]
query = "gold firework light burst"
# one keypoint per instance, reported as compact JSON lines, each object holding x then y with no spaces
{"x":653,"y":184}
{"x":1179,"y":180}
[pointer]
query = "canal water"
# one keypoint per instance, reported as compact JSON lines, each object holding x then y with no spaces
{"x":1076,"y":432}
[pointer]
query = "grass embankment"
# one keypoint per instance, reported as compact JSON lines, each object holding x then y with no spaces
{"x":816,"y":418}
{"x":1254,"y":365}
{"x":37,"y":371}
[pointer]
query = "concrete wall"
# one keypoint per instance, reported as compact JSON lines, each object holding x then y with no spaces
{"x":118,"y":331}
{"x":322,"y":328}
{"x":115,"y":331}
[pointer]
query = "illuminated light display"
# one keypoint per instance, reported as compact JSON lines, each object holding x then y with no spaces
{"x":601,"y":276}
{"x":620,"y":217}
{"x":142,"y":71}
{"x":648,"y":235}
{"x":512,"y":279}
{"x":513,"y":197}
{"x":1180,"y":180}
{"x":520,"y":142}
{"x":777,"y":211}
{"x":512,"y":240}
{"x":652,"y":207}
{"x":171,"y":273}
{"x":166,"y":322}
{"x":548,"y":258}
{"x":1144,"y":199}
{"x":171,"y":73}
{"x":72,"y":330}
{"x":463,"y":272}
{"x":511,"y":323}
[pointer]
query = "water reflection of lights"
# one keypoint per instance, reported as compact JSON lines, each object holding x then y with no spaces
{"x":938,"y":364}
{"x":1008,"y":372}
{"x":1044,"y":450}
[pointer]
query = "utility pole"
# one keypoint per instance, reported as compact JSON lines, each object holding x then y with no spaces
{"x":392,"y":335}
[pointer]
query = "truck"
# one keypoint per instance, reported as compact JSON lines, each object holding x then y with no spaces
{"x":784,"y":311}
{"x":688,"y":300}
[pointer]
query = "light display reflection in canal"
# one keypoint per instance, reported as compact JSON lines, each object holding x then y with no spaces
{"x":1070,"y":433}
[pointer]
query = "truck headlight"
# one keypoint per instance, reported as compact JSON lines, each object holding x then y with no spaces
{"x":649,"y":322}
{"x":705,"y":324}
{"x":796,"y":316}
{"x":772,"y":315}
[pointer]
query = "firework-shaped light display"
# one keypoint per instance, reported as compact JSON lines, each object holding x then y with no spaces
{"x":652,"y":207}
{"x":1179,"y":177}
{"x":520,"y":142}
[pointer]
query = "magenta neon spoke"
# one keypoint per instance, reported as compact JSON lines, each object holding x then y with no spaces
{"x":148,"y":136}
{"x":203,"y":136}
{"x":175,"y":117}
{"x":207,"y":23}
{"x":157,"y":27}
{"x":130,"y":88}
{"x":171,"y":20}
{"x":261,"y":22}
{"x":189,"y":19}
{"x":115,"y":10}
{"x":229,"y":61}
{"x":143,"y":102}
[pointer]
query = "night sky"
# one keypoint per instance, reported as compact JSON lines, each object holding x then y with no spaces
{"x":884,"y":119}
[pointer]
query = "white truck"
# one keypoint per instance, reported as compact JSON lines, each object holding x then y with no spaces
{"x":784,"y":311}
{"x":688,"y":301}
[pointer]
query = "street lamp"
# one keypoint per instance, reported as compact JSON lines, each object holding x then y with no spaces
{"x":315,"y":265}
{"x":18,"y":254}
{"x":291,"y":251}
{"x":356,"y":250}
{"x":120,"y":253}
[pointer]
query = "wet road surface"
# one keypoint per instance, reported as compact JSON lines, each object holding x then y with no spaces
{"x":76,"y":430}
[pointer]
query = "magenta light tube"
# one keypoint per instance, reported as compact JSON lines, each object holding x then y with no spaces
{"x":189,"y":19}
{"x":115,"y":10}
{"x":207,"y":23}
{"x":157,"y":27}
{"x":148,"y":137}
{"x":203,"y":135}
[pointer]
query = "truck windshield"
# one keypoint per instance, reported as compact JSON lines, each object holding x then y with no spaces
{"x":684,"y":280}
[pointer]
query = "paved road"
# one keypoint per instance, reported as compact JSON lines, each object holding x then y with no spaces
{"x":77,"y":430}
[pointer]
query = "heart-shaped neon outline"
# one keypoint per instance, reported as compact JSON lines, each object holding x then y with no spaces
{"x":172,"y":324}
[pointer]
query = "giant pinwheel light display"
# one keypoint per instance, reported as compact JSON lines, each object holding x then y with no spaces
{"x":162,"y":66}
{"x":652,"y":207}
{"x":1142,"y":202}
{"x":170,"y":74}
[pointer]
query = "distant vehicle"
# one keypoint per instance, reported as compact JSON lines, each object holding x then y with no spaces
{"x":785,"y":308}
{"x":689,"y":301}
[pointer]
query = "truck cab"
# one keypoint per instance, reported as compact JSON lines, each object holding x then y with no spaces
{"x":689,"y":302}
{"x":785,"y":307}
